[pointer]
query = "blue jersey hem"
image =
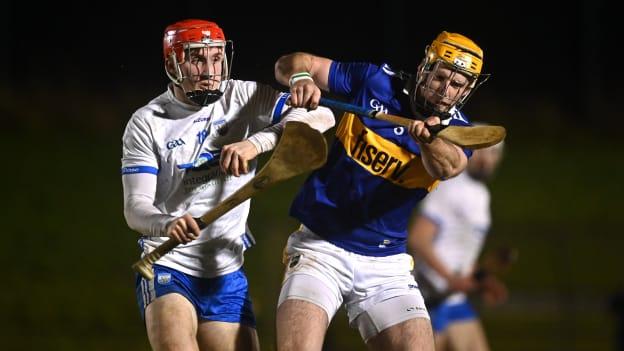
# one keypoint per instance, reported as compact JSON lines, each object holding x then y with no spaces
{"x":374,"y":252}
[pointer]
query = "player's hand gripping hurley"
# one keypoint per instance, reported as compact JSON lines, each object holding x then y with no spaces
{"x":300,"y":149}
{"x":476,"y":137}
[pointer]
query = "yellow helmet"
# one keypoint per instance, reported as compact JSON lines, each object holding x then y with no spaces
{"x":457,"y":51}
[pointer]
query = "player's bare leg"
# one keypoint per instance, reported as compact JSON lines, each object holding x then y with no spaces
{"x":467,"y":336}
{"x":171,"y":323}
{"x":413,"y":334}
{"x":441,"y":341}
{"x":301,"y":326}
{"x":222,"y":336}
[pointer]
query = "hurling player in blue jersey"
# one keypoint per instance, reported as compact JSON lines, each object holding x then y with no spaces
{"x":351,"y":246}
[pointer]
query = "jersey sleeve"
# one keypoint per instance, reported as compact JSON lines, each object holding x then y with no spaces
{"x":459,"y":119}
{"x":139,"y":210}
{"x":265,"y":104}
{"x":138,"y":154}
{"x":346,"y":78}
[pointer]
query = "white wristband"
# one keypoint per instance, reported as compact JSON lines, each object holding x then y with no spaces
{"x":299,"y":76}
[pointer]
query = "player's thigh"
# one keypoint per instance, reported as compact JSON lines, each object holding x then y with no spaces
{"x":223,"y":336}
{"x":413,"y":334}
{"x":467,"y":336}
{"x":301,"y":326}
{"x":385,"y":295}
{"x":316,"y":274}
{"x":441,"y":341}
{"x":171,"y":323}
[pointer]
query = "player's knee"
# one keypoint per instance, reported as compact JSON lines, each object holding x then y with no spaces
{"x":170,"y":342}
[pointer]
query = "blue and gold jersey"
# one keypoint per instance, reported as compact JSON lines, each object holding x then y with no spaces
{"x":362,"y":198}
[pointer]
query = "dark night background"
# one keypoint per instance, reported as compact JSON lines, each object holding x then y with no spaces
{"x":72,"y":74}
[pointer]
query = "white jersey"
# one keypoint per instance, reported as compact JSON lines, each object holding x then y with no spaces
{"x":460,"y":207}
{"x":167,"y":137}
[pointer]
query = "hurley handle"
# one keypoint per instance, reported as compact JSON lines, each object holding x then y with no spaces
{"x":144,"y":265}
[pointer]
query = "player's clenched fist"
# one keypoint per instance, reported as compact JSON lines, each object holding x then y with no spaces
{"x":418,"y":129}
{"x":493,"y":291}
{"x":305,"y":93}
{"x":234,"y":157}
{"x":183,"y":229}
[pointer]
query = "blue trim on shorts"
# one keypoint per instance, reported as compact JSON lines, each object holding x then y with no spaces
{"x":446,"y":314}
{"x":224,"y":298}
{"x":248,"y":241}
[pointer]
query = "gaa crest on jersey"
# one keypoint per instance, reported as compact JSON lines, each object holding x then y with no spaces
{"x":164,"y":278}
{"x":378,"y":106}
{"x":171,"y":144}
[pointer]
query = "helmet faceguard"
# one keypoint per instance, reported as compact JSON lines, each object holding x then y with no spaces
{"x":448,"y":75}
{"x":198,"y":59}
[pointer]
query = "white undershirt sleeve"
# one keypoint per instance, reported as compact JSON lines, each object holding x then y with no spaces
{"x":139,"y":210}
{"x":320,"y":119}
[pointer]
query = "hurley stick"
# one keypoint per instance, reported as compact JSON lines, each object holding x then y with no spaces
{"x":475,"y":137}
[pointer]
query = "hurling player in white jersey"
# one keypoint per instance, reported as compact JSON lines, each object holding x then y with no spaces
{"x":446,"y":238}
{"x":183,"y":153}
{"x":351,"y":246}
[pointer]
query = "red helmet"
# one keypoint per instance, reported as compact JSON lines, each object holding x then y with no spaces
{"x":188,"y":31}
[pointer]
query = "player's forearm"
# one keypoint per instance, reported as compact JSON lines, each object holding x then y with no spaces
{"x":144,"y":218}
{"x":288,"y":65}
{"x":443,"y":160}
{"x":425,"y":253}
{"x":139,"y":210}
{"x":320,"y":119}
{"x":420,"y":242}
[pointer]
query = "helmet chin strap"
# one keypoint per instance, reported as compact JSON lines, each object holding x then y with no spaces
{"x":204,"y":97}
{"x":422,"y":111}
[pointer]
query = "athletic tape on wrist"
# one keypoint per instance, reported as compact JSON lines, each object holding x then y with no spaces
{"x":299,"y":76}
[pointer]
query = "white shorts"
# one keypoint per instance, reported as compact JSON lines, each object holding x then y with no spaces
{"x":378,"y":292}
